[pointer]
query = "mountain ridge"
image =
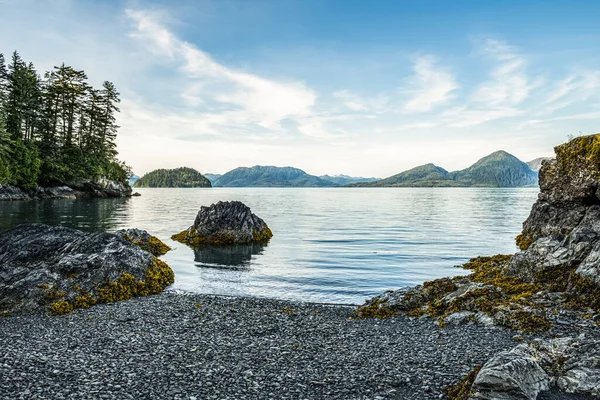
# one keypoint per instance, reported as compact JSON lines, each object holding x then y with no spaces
{"x":270,"y":176}
{"x":498,"y":169}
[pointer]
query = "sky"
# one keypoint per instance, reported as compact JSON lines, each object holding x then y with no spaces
{"x":364,"y":88}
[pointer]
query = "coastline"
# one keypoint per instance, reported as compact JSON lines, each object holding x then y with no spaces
{"x":91,"y":189}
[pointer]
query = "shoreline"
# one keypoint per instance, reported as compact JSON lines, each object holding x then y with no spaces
{"x":186,"y":346}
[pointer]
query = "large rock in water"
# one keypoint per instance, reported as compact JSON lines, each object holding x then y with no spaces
{"x":229,"y":222}
{"x":562,"y":233}
{"x":58,"y":268}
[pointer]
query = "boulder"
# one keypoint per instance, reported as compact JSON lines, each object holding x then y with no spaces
{"x":223,"y":223}
{"x":569,"y":364}
{"x":511,"y":375}
{"x":9,"y":192}
{"x":144,"y":240}
{"x":57,"y":268}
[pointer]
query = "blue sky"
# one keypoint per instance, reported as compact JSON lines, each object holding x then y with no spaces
{"x":365,"y":88}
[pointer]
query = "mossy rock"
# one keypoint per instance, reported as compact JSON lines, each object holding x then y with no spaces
{"x":225,"y":223}
{"x":145,"y":241}
{"x":158,"y":276}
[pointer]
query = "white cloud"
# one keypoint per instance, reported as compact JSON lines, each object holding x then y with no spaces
{"x":253,"y":99}
{"x":355,"y":102}
{"x":430,"y":86}
{"x":509,"y":84}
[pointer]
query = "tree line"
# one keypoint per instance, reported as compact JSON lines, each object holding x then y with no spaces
{"x":56,"y":128}
{"x":168,"y":178}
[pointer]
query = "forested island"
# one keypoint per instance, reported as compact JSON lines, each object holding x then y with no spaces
{"x":183,"y":177}
{"x":57,"y":130}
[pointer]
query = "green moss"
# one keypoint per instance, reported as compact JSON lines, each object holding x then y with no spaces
{"x":55,"y":293}
{"x":439,"y":287}
{"x":263,"y":236}
{"x":580,"y":152}
{"x":61,"y":307}
{"x":373,"y":310}
{"x":527,"y":321}
{"x":158,"y":276}
{"x":491,"y":271}
{"x":462,"y":389}
{"x":154,"y":245}
{"x":84,"y":301}
{"x":583,"y":293}
{"x":193,"y":238}
{"x":524,"y":240}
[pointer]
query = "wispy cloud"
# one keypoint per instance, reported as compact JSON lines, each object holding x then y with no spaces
{"x":251,"y":98}
{"x":509,"y":84}
{"x":430,"y":86}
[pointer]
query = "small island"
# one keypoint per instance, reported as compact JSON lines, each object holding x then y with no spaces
{"x":183,"y":177}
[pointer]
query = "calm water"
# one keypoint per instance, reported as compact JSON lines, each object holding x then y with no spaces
{"x":329,"y":245}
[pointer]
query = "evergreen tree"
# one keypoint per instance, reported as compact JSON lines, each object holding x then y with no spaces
{"x":57,"y":129}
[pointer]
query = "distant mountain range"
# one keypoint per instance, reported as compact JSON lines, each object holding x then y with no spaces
{"x":537,"y":163}
{"x":133,"y":179}
{"x":212,"y":177}
{"x":499,"y":169}
{"x":342,"y":180}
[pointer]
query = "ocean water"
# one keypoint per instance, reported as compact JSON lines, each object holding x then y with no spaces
{"x":334,"y":245}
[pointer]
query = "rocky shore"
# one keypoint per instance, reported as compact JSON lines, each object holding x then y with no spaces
{"x":205,"y":347}
{"x":100,"y":188}
{"x":522,"y":327}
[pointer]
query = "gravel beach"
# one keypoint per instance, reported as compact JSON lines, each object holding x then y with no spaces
{"x":175,"y":346}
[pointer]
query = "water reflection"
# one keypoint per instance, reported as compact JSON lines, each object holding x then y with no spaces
{"x":229,"y":257}
{"x":331,"y":245}
{"x":96,"y":215}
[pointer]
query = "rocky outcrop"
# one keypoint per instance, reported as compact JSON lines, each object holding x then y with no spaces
{"x":562,"y":233}
{"x":98,"y":188}
{"x":9,"y":192}
{"x":229,"y":222}
{"x":144,"y":240}
{"x":571,"y":364}
{"x":57,"y":269}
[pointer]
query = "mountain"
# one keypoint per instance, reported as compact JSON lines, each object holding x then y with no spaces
{"x":342,"y":180}
{"x":269,"y":176}
{"x":428,"y":175}
{"x":537,"y":163}
{"x":499,"y":169}
{"x":212,"y":177}
{"x":173,"y":178}
{"x":133,"y":179}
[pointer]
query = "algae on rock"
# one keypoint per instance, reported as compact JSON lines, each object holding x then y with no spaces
{"x":57,"y":269}
{"x":225,"y":223}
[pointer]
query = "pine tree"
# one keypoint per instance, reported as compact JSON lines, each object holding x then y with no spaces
{"x":57,"y":129}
